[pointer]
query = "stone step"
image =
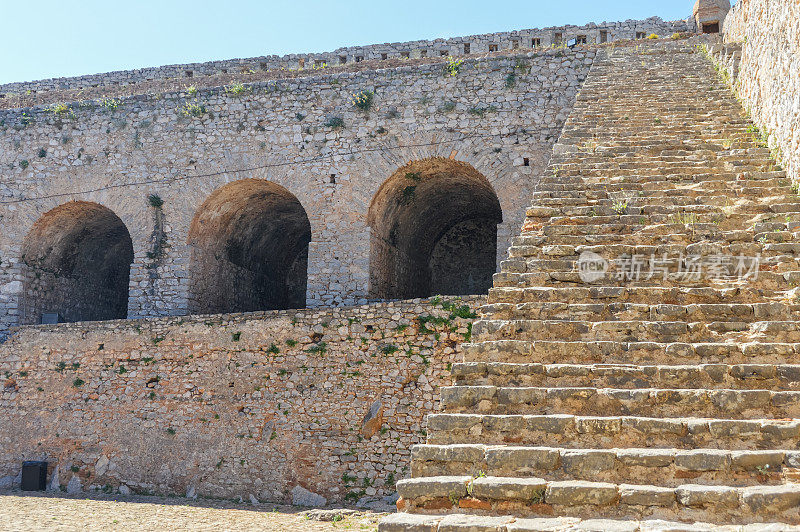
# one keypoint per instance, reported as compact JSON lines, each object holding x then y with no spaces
{"x":700,"y":376}
{"x":598,"y":311}
{"x":533,"y":496}
{"x":574,"y":431}
{"x":665,"y":331}
{"x":658,"y":467}
{"x":602,"y":294}
{"x":766,"y":280}
{"x":621,"y":352}
{"x":666,"y":403}
{"x":459,"y":522}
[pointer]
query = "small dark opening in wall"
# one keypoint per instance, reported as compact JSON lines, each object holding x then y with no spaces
{"x":603,"y":36}
{"x":466,"y":48}
{"x":405,"y":54}
{"x":640,"y":35}
{"x":301,"y":63}
{"x":384,"y":57}
{"x":263,"y":66}
{"x":581,"y":39}
{"x":319,"y":62}
{"x":359,"y":58}
{"x":514,"y":44}
{"x":189,"y":73}
{"x":423,"y":53}
{"x":536,"y":42}
{"x":711,"y":28}
{"x":444,"y":53}
{"x":333,"y":179}
{"x":526,"y":161}
{"x":224,"y":70}
{"x":342,"y":59}
{"x":492,"y":47}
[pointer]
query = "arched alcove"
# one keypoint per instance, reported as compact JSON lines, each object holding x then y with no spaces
{"x":434,"y":231}
{"x":76,"y":265}
{"x":249,"y":244}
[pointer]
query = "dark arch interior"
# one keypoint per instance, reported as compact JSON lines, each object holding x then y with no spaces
{"x":434,"y":231}
{"x":77,"y":260}
{"x":249,"y":250}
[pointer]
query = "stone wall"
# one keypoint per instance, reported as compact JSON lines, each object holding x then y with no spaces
{"x":230,"y":405}
{"x":154,"y":161}
{"x":455,"y":46}
{"x":768,"y":79}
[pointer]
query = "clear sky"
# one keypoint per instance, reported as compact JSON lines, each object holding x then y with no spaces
{"x":53,"y":38}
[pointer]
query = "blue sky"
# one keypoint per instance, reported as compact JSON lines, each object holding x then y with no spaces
{"x":53,"y":38}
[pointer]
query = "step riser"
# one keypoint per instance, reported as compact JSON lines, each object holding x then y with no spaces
{"x":553,"y":352}
{"x":732,"y":404}
{"x":712,"y":377}
{"x":662,"y":332}
{"x":576,"y":432}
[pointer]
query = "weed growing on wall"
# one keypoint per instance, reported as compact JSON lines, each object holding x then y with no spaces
{"x":335,"y":122}
{"x":511,"y":80}
{"x":237,"y":89}
{"x":363,"y":100}
{"x":110,"y":103}
{"x":192,"y":109}
{"x":453,"y":66}
{"x":61,"y":110}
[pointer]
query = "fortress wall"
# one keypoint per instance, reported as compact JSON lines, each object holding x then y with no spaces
{"x":769,"y":71}
{"x":230,"y":405}
{"x":455,"y":46}
{"x":497,"y":115}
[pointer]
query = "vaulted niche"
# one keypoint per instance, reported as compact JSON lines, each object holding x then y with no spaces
{"x":249,"y":243}
{"x":76,"y":266}
{"x":434,"y":231}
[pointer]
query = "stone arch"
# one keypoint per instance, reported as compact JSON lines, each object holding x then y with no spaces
{"x":433,"y":231}
{"x":249,"y":250}
{"x":76,"y":263}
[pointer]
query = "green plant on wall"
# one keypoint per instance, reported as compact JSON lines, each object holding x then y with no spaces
{"x":363,"y":100}
{"x":453,"y":66}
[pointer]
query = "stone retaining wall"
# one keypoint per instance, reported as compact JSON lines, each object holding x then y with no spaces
{"x":769,"y":71}
{"x":231,"y":405}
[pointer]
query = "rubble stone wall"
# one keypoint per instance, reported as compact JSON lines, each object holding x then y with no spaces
{"x":231,"y":405}
{"x":768,"y":79}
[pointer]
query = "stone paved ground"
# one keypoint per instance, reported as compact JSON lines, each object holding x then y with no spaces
{"x":63,"y":512}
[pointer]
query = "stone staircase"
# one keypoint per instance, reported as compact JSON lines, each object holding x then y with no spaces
{"x":657,"y":398}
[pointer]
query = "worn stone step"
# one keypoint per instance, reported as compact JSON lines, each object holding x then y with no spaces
{"x":573,"y":431}
{"x":590,"y":400}
{"x":533,"y":496}
{"x":665,"y":331}
{"x":766,"y":280}
{"x":658,"y":467}
{"x":459,"y":522}
{"x":623,"y":311}
{"x":602,"y":294}
{"x":701,"y":376}
{"x":621,"y":352}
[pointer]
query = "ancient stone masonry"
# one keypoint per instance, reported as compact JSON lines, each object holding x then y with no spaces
{"x":330,"y":400}
{"x":455,"y":46}
{"x":625,"y":374}
{"x":762,"y":57}
{"x":311,"y":191}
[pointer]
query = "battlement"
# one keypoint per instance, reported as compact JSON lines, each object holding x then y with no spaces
{"x":421,"y":49}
